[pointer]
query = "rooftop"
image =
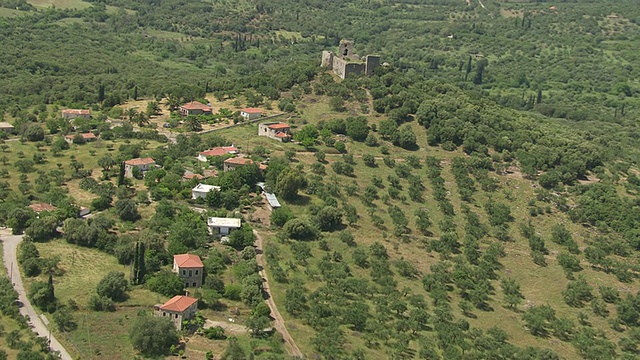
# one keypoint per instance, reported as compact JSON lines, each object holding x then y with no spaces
{"x":5,"y":125}
{"x":196,"y":105}
{"x":276,"y":126}
{"x":40,"y":207}
{"x":252,"y":111}
{"x":205,"y":188}
{"x":140,"y":161}
{"x":190,"y":175}
{"x":178,"y":303}
{"x":272,"y":200}
{"x":218,"y":151}
{"x":86,"y":136}
{"x":281,"y":134}
{"x":239,"y":161}
{"x":188,"y":260}
{"x":224,"y":222}
{"x":76,"y":111}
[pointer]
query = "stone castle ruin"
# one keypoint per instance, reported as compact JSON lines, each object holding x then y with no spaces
{"x":346,"y":62}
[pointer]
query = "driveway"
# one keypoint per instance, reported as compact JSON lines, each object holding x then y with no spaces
{"x":10,"y":246}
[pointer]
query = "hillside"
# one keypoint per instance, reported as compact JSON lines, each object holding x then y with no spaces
{"x":474,"y":196}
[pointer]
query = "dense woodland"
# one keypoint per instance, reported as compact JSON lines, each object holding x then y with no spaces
{"x":499,"y":143}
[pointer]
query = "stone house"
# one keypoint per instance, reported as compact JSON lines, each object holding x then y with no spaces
{"x":6,"y":127}
{"x":275,"y":130}
{"x":195,"y":108}
{"x":223,"y":226}
{"x":143,"y":164}
{"x":201,"y":191}
{"x":178,"y":309}
{"x":251,"y":113}
{"x":70,"y":114}
{"x":217,"y":151}
{"x":190,"y":269}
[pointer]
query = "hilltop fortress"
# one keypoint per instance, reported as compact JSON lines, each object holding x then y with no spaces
{"x":346,"y":62}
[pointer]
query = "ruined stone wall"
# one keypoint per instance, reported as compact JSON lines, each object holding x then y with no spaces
{"x":354,"y":69}
{"x":372,"y":61}
{"x":327,"y":59}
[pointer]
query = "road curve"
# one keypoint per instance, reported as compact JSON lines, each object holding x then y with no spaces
{"x":278,"y":322}
{"x":9,"y":256}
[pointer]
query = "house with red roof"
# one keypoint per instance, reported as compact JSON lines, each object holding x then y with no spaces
{"x":251,"y":113}
{"x":142,"y":164}
{"x":275,"y":130}
{"x":217,"y":151}
{"x":86,"y":136}
{"x":178,"y":309}
{"x":70,"y":114}
{"x":233,"y":163}
{"x":190,"y":269}
{"x":195,"y":108}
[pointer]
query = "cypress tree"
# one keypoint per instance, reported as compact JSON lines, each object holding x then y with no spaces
{"x":135,"y":266}
{"x":539,"y":98}
{"x":142,"y":268}
{"x":135,"y":92}
{"x":50,"y":291}
{"x":121,"y":175}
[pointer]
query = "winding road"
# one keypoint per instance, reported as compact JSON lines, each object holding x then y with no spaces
{"x":278,"y":322}
{"x":9,"y":256}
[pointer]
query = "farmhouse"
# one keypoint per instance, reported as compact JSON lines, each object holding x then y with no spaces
{"x":217,"y":151}
{"x":276,"y":130}
{"x":190,"y":269}
{"x":251,"y":113}
{"x":179,"y":308}
{"x":142,"y":164}
{"x":223,"y":226}
{"x":201,"y":190}
{"x":6,"y":127}
{"x":86,"y":136}
{"x":233,"y":163}
{"x":195,"y":108}
{"x":70,"y":114}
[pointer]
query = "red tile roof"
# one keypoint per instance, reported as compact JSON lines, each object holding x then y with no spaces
{"x":192,"y":176}
{"x":86,"y":136}
{"x":218,"y":151}
{"x":40,"y":207}
{"x":281,"y":134}
{"x":76,"y":112}
{"x":279,"y":126}
{"x":178,"y":303}
{"x":195,"y":105}
{"x":238,"y":161}
{"x":252,"y":111}
{"x":140,"y":161}
{"x":188,"y":260}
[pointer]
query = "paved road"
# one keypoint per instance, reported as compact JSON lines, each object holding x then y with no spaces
{"x":278,"y":323}
{"x":9,"y":246}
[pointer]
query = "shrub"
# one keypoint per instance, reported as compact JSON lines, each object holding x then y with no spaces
{"x":300,"y":229}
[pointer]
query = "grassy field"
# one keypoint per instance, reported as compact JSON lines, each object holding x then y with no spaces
{"x":4,"y":12}
{"x":60,"y":4}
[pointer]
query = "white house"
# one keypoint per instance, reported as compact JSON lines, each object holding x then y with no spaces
{"x":223,"y":226}
{"x":251,"y":113}
{"x":201,"y":190}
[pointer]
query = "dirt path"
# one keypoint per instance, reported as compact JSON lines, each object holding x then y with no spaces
{"x":278,"y":322}
{"x":9,"y":246}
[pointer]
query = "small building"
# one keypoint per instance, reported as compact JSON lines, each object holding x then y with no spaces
{"x":251,"y":113}
{"x":223,"y":226}
{"x":232,"y":163}
{"x":179,"y":308}
{"x":276,"y":130}
{"x":190,"y":269}
{"x":272,"y":201}
{"x":217,"y":151}
{"x":6,"y":127}
{"x":84,"y":211}
{"x":86,"y":136}
{"x":195,"y":108}
{"x":201,"y":190}
{"x":70,"y":114}
{"x":143,"y":164}
{"x":41,"y":207}
{"x":188,"y":175}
